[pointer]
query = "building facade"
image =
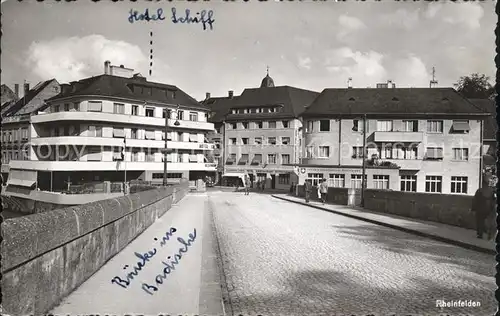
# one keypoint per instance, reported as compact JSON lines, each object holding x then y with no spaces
{"x":261,"y":135}
{"x":489,"y":133}
{"x":416,"y":140}
{"x":112,"y":127}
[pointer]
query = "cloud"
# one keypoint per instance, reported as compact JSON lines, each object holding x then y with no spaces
{"x":305,"y":62}
{"x":75,"y":58}
{"x":401,"y":18}
{"x":348,"y":25}
{"x":364,"y":67}
{"x":468,"y":14}
{"x":410,"y":71}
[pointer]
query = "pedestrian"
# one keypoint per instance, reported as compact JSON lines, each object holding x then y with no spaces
{"x":484,"y":208}
{"x":247,"y":185}
{"x":323,"y":188}
{"x":308,"y":188}
{"x":263,"y":185}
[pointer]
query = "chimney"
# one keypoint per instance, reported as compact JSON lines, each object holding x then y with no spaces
{"x":231,"y":93}
{"x":121,"y":66}
{"x":26,"y":88}
{"x":349,"y":83}
{"x":16,"y":89}
{"x":389,"y":83}
{"x":107,"y":63}
{"x":207,"y":96}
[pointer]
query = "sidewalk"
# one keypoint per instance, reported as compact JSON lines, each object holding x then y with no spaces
{"x":192,"y":286}
{"x":458,"y":236}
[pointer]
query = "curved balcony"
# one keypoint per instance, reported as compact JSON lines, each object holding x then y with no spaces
{"x":118,"y":119}
{"x":108,"y":166}
{"x":117,"y":142}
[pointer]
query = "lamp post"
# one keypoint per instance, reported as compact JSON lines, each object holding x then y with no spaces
{"x":363,"y":182}
{"x":166,"y":142}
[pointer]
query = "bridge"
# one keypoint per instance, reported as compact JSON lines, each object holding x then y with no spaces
{"x":170,"y":252}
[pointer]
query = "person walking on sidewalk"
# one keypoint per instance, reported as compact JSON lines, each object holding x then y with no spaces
{"x":484,"y":208}
{"x":247,"y":185}
{"x":308,"y":187}
{"x":323,"y":189}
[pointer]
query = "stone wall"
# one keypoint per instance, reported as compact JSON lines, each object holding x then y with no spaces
{"x":46,"y":256}
{"x":441,"y":208}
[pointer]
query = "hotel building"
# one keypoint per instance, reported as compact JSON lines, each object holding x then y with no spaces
{"x":416,"y":139}
{"x":111,"y":128}
{"x":260,"y":132}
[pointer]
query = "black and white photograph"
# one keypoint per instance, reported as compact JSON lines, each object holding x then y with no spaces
{"x":248,"y":157}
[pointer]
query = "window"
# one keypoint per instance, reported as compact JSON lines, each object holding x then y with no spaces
{"x":384,"y":126}
{"x":257,"y":159}
{"x":386,"y":152}
{"x":135,"y":110}
{"x":286,"y":124}
{"x":285,"y":159}
{"x":180,"y":136}
{"x":309,"y":151}
{"x":244,"y":141}
{"x":232,"y":141}
{"x":259,"y":124}
{"x":459,"y":185}
{"x":271,"y":140}
{"x":158,"y":175}
{"x":357,"y":125}
{"x":336,"y":180}
{"x":174,"y":175}
{"x":24,"y":134}
{"x":118,"y":133}
{"x":166,"y":113}
{"x":150,"y":112}
{"x":133,"y":133}
{"x":357,"y":152}
{"x":193,"y":116}
{"x":245,"y":125}
{"x":324,"y":152}
{"x":434,"y":153}
{"x":244,"y":159}
{"x":284,"y":178}
{"x":233,"y":125}
{"x":315,"y":178}
{"x":66,"y":107}
{"x":118,"y":108}
{"x":56,"y":108}
{"x":271,"y":124}
{"x":94,"y":154}
{"x":434,"y":126}
{"x":94,"y":106}
{"x":271,"y":158}
{"x":66,"y":130}
{"x":257,"y":141}
{"x":461,"y":154}
{"x":91,"y":133}
{"x":381,"y":182}
{"x":356,"y":182}
{"x":285,"y":140}
{"x":150,"y":134}
{"x":460,"y":127}
{"x":76,"y":106}
{"x":433,"y":184}
{"x":410,"y":152}
{"x":309,"y":126}
{"x":410,"y":126}
{"x":180,"y":115}
{"x":324,"y":125}
{"x":150,"y":157}
{"x":76,"y":130}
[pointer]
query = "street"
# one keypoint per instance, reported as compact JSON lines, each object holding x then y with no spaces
{"x":281,"y":258}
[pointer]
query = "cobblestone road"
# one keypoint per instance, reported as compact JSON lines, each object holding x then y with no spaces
{"x":281,"y":258}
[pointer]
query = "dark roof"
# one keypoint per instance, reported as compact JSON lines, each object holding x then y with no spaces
{"x":7,"y":94}
{"x":121,"y":87}
{"x":219,"y":107}
{"x":25,"y":100}
{"x":490,"y":124}
{"x":392,"y":101}
{"x":267,"y":82}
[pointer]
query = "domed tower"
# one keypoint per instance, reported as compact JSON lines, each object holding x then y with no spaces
{"x":267,"y":82}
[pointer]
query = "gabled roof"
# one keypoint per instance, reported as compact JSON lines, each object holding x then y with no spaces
{"x":121,"y":87}
{"x":17,"y":108}
{"x":7,"y":94}
{"x":391,"y":101}
{"x":490,"y":124}
{"x":220,"y":107}
{"x":293,"y":100}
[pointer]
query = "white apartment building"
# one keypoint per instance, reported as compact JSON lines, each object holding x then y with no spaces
{"x":112,"y":126}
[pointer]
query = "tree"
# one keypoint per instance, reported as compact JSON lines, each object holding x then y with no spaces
{"x":475,"y":86}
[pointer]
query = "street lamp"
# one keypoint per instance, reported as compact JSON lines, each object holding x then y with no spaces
{"x":176,"y":123}
{"x":363,"y":182}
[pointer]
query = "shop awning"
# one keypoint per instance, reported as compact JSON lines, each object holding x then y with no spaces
{"x":234,"y":174}
{"x":257,"y":159}
{"x":460,"y":127}
{"x":230,"y":160}
{"x":193,"y":138}
{"x":118,"y":132}
{"x":435,"y":153}
{"x":243,"y":160}
{"x":21,"y":183}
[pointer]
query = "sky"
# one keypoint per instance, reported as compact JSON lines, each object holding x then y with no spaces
{"x":309,"y":45}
